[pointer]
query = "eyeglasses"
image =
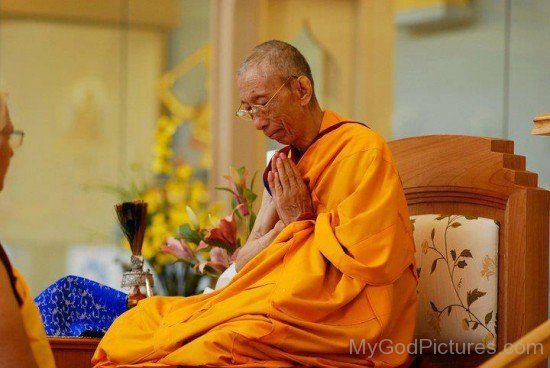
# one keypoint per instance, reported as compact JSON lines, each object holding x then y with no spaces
{"x":16,"y":138}
{"x":248,"y":114}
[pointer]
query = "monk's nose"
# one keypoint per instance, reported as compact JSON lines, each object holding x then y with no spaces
{"x":260,"y":123}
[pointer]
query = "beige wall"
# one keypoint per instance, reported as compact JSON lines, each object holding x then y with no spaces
{"x":85,"y":96}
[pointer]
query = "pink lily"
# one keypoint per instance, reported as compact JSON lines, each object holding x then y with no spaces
{"x":219,"y":261}
{"x":243,"y":209}
{"x":178,"y":248}
{"x":202,"y":245}
{"x":219,"y":255}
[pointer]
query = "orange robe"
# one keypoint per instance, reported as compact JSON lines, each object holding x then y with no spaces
{"x":313,"y":296}
{"x":32,"y":322}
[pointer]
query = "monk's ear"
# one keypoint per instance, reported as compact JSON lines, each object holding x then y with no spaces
{"x":305,"y":90}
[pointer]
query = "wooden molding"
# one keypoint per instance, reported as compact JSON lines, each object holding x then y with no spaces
{"x":161,"y":14}
{"x":476,"y":176}
{"x":542,"y":125}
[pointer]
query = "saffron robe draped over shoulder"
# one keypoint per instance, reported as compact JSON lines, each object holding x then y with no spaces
{"x":337,"y":291}
{"x":32,"y":322}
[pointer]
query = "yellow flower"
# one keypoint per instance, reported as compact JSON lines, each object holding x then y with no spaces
{"x":175,"y":191}
{"x":177,"y":218}
{"x":198,"y":194}
{"x":489,"y":267}
{"x":184,"y":172}
{"x":158,"y":225}
{"x":489,"y":339}
{"x":153,"y":199}
{"x":433,"y":321}
{"x":161,"y":167}
{"x":148,"y":251}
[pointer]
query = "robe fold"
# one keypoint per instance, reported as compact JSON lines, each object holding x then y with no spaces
{"x":32,"y":322}
{"x":33,"y":325}
{"x":337,"y":291}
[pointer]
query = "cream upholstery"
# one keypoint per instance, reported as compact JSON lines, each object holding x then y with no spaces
{"x":457,"y":262}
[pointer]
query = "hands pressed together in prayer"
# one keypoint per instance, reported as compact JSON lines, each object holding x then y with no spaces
{"x":290,"y":193}
{"x":290,"y":201}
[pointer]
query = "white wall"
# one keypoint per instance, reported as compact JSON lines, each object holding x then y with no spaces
{"x":453,"y":81}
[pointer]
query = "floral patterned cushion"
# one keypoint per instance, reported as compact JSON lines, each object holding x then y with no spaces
{"x":457,"y":264}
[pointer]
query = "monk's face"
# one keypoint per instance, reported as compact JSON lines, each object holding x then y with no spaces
{"x":282,"y":119}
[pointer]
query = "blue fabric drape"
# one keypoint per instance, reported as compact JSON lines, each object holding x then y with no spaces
{"x":75,"y":306}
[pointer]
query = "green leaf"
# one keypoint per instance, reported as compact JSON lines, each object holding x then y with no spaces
{"x":475,"y":326}
{"x":453,"y":254}
{"x":461,"y":264}
{"x":240,"y":171}
{"x":225,"y":189}
{"x":434,"y":265}
{"x":474,"y":295}
{"x":466,"y":254}
{"x":189,"y":234}
{"x":237,"y":213}
{"x":433,"y":234}
{"x":253,"y":180}
{"x":250,"y":195}
{"x":488,"y":317}
{"x":456,"y":224}
{"x":434,"y":308}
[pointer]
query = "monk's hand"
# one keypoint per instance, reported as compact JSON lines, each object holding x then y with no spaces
{"x":267,"y":217}
{"x":290,"y":193}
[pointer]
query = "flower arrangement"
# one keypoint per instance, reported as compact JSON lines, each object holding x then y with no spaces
{"x":211,"y":249}
{"x":185,"y":255}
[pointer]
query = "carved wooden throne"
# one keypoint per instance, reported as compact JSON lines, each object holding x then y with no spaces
{"x":477,"y":179}
{"x":470,"y":177}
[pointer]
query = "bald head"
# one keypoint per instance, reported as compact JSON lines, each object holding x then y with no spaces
{"x":279,"y":59}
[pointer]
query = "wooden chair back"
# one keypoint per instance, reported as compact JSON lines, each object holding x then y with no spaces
{"x":475,"y":176}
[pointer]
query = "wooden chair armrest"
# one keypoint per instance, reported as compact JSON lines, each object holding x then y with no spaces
{"x":529,"y":350}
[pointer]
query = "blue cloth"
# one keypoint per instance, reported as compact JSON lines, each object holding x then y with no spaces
{"x":75,"y":306}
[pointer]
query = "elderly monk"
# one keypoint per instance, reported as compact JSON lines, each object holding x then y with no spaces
{"x":327,"y":277}
{"x":23,"y":342}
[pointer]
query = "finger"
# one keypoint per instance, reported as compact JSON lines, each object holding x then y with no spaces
{"x":297,"y":175}
{"x":273,"y":162}
{"x":290,"y":173}
{"x":283,"y":175}
{"x":278,"y":185}
{"x":271,"y":183}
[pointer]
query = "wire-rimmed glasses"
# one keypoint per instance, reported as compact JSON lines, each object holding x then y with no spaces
{"x":16,"y":138}
{"x":248,"y":114}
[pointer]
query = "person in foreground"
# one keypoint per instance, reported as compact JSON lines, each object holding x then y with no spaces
{"x":329,"y":264}
{"x":23,"y":341}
